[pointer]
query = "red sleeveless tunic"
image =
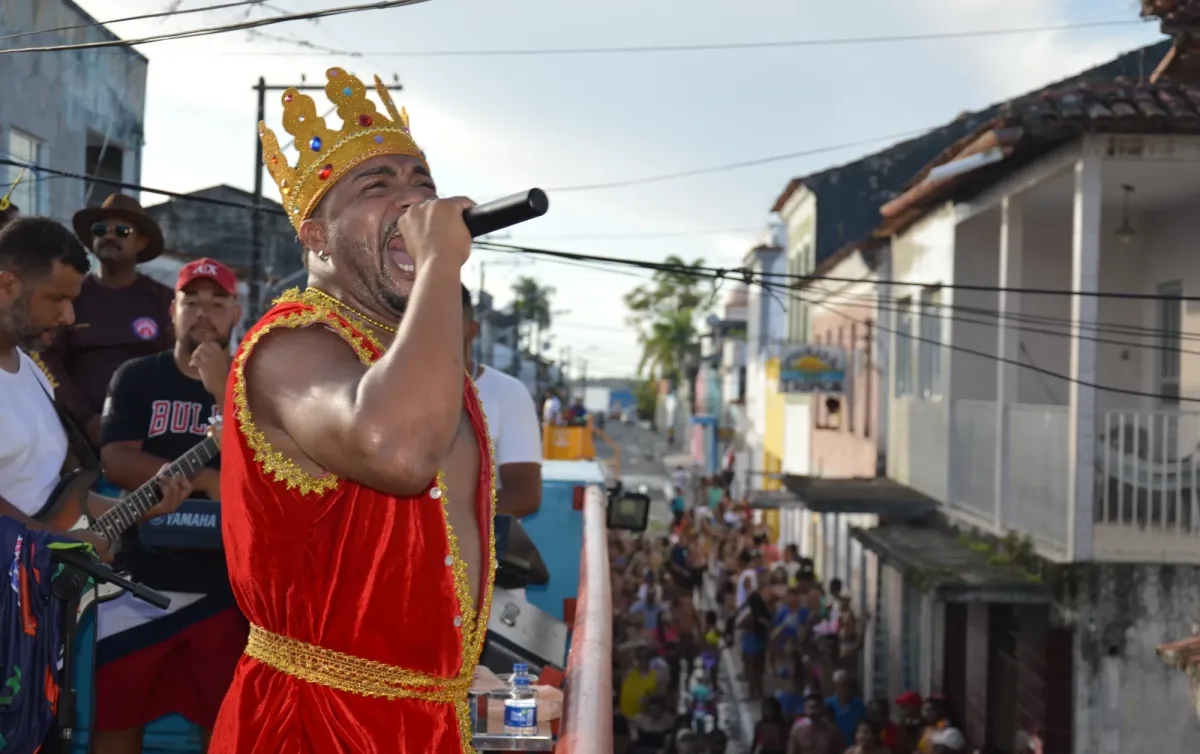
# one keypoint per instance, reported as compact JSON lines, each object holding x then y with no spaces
{"x":364,"y":637}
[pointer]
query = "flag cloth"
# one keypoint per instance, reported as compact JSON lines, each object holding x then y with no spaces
{"x":30,"y":628}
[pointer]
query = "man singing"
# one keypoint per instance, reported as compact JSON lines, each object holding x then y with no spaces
{"x":356,"y":479}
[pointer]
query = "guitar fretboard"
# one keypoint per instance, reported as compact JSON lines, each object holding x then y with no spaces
{"x":130,"y":510}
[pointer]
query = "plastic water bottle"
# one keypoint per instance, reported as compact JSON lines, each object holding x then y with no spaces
{"x":520,"y":708}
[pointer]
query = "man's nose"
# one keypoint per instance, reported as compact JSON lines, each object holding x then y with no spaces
{"x":67,"y":316}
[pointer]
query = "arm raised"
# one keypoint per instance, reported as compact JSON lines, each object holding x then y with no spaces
{"x":389,"y":426}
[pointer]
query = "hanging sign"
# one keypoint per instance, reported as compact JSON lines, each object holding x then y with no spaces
{"x":813,"y":368}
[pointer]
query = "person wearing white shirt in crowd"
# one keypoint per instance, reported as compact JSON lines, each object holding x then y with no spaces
{"x":552,"y":409}
{"x":513,"y":424}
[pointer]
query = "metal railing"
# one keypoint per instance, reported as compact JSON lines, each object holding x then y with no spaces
{"x":1148,"y":485}
{"x":586,"y":726}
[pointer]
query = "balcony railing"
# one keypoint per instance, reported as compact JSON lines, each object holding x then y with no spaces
{"x":587,"y":714}
{"x":1147,"y":479}
{"x":1148,"y":486}
{"x":1036,"y":501}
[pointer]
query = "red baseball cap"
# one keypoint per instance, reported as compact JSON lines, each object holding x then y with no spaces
{"x":207,"y":269}
{"x":908,"y":699}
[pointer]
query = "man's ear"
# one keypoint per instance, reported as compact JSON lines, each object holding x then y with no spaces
{"x":472,"y":328}
{"x":10,"y":286}
{"x":313,"y":236}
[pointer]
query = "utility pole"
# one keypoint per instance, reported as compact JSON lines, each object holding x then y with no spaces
{"x":583,"y":378}
{"x":256,"y":222}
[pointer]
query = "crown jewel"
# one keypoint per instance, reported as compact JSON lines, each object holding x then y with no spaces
{"x":326,"y":155}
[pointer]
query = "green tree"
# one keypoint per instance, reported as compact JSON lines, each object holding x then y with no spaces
{"x":646,"y":394}
{"x":664,"y":311}
{"x":531,"y":304}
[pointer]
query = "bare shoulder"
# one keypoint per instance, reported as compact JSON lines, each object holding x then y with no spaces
{"x":290,"y":363}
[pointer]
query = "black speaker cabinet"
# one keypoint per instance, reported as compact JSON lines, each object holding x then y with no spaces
{"x":520,"y":632}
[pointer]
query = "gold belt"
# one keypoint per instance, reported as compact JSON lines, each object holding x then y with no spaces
{"x":344,"y":672}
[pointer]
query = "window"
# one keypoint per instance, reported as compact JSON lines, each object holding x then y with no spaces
{"x":929,"y":349}
{"x":25,"y":149}
{"x":904,"y":326}
{"x":1170,"y":321}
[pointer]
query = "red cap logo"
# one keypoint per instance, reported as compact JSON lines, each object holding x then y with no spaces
{"x":207,"y":269}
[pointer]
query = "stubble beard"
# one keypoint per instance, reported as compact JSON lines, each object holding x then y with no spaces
{"x":16,"y":324}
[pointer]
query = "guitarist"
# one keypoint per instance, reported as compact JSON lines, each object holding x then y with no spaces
{"x":152,"y":662}
{"x":42,"y":266}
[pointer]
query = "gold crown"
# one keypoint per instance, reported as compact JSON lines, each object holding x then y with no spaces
{"x":326,"y":155}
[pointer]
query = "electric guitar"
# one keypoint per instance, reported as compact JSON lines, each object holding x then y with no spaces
{"x":68,"y":503}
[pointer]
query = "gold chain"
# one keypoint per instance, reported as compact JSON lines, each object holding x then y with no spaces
{"x":350,"y":310}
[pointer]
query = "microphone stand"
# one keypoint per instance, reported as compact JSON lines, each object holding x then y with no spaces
{"x":67,"y":588}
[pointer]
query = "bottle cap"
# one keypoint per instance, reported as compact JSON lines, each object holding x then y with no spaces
{"x":521,"y":667}
{"x":521,"y":680}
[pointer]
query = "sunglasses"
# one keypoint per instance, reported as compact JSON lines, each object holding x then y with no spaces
{"x":100,"y":230}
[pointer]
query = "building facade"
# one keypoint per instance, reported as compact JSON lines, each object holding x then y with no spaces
{"x":80,"y":112}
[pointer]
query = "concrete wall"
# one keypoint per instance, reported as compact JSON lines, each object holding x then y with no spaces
{"x":1126,"y":700}
{"x":66,"y":99}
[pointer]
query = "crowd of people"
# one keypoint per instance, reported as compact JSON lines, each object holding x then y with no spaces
{"x":716,"y":602}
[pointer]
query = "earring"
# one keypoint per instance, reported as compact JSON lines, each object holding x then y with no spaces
{"x":322,"y":256}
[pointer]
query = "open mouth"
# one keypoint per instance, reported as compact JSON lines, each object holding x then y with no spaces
{"x":398,"y":253}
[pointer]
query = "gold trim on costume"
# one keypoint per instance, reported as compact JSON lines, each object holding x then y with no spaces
{"x":274,"y":463}
{"x":338,"y":670}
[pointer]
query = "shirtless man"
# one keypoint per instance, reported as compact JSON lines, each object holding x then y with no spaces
{"x":357,"y":485}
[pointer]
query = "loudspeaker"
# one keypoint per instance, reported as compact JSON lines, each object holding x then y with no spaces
{"x":520,"y":632}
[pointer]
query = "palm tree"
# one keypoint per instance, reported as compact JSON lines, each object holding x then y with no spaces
{"x":666,"y":345}
{"x":664,"y":311}
{"x":531,"y":303}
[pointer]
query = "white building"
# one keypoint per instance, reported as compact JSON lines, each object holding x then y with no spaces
{"x":1059,"y":418}
{"x":765,"y":328}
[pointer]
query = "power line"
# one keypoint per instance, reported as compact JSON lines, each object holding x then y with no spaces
{"x":758,"y":45}
{"x":769,"y":287}
{"x":745,"y":273}
{"x":737,"y":165}
{"x":208,"y":31}
{"x":1000,"y":319}
{"x":141,"y":17}
{"x":991,"y":356}
{"x":1020,"y":319}
{"x":652,"y":234}
{"x":717,"y":273}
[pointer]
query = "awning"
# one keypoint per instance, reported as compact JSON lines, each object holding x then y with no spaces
{"x":878,"y":496}
{"x":934,"y":560}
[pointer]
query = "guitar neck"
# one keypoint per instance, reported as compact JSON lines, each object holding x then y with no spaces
{"x":131,"y":509}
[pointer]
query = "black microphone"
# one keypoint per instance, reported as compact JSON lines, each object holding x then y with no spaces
{"x":503,"y":213}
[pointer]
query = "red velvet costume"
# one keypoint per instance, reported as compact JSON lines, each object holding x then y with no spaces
{"x":364,"y":635}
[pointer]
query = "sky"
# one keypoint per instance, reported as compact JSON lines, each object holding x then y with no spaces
{"x":494,"y":125}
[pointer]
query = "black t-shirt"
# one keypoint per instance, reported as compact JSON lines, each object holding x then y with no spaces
{"x":150,"y":400}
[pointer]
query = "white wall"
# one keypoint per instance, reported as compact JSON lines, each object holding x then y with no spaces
{"x":918,"y":429}
{"x":797,"y":439}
